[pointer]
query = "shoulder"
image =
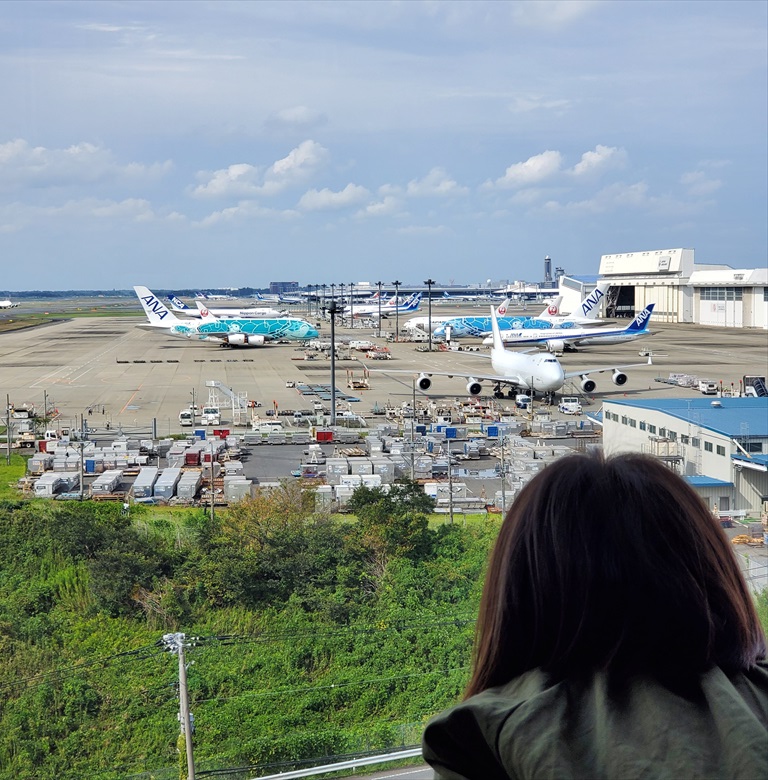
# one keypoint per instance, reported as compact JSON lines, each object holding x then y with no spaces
{"x":463,"y":741}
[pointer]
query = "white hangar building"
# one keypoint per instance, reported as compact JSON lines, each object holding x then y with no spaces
{"x":682,"y":291}
{"x":720,"y":445}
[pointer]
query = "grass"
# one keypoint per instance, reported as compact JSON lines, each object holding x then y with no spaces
{"x":10,"y":475}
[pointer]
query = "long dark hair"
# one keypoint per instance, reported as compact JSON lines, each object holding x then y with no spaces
{"x":617,"y":564}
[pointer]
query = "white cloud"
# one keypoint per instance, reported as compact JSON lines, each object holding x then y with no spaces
{"x":237,"y":180}
{"x":532,"y":171}
{"x":602,"y":158}
{"x":297,"y":118}
{"x":698,"y":184}
{"x":436,"y":182}
{"x":78,"y":164}
{"x":325,"y":199}
{"x":387,"y":206}
{"x":245,"y":211}
{"x":19,"y":216}
{"x":244,"y":180}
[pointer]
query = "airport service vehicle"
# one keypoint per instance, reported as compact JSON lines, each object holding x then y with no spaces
{"x":569,"y":404}
{"x":539,"y":372}
{"x":225,"y":331}
{"x":361,"y":345}
{"x":558,"y":340}
{"x":186,"y":417}
{"x":707,"y":387}
{"x":211,"y":415}
{"x":522,"y":401}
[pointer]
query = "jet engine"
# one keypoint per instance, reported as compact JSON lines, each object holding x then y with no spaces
{"x":423,"y":382}
{"x":556,"y":347}
{"x":474,"y":387}
{"x":588,"y":385}
{"x":619,"y":377}
{"x":244,"y":340}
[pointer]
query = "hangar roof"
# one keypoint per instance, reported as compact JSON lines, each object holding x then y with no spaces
{"x":734,"y":417}
{"x":697,"y":481}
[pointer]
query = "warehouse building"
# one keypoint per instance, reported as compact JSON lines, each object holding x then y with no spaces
{"x":720,"y":445}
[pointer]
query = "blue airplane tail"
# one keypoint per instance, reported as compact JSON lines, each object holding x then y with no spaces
{"x":177,"y":303}
{"x":413,"y":304}
{"x":641,"y":320}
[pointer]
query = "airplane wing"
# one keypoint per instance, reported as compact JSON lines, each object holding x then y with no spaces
{"x":603,"y":369}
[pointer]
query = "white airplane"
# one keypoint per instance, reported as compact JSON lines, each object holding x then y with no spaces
{"x":422,"y":323}
{"x":181,"y":308}
{"x":6,"y":304}
{"x":211,"y":297}
{"x":558,"y":340}
{"x":230,"y":331}
{"x":540,"y":372}
{"x":411,"y":303}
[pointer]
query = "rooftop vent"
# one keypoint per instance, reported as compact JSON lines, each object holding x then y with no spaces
{"x":716,"y":404}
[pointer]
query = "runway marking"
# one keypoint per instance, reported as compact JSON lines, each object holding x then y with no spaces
{"x":128,"y":402}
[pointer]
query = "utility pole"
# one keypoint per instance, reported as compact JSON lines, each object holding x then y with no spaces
{"x":503,"y":480}
{"x":450,"y":481}
{"x":332,"y":309}
{"x":8,"y":429}
{"x":175,"y":644}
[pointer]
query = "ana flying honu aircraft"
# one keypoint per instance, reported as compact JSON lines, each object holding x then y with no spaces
{"x":537,"y":372}
{"x":549,"y":318}
{"x":225,"y":331}
{"x":558,"y":340}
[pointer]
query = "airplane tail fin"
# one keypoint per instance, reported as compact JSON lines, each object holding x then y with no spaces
{"x":158,"y":314}
{"x":503,"y":307}
{"x":641,"y":320}
{"x":177,"y":304}
{"x":553,"y":309}
{"x":591,"y":303}
{"x":205,"y":314}
{"x":498,"y":344}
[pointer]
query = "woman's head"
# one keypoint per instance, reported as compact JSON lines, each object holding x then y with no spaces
{"x":612,"y":563}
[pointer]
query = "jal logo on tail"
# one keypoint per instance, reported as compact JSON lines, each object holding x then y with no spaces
{"x":155,"y":306}
{"x":203,"y":312}
{"x":502,"y":310}
{"x":552,"y":310}
{"x":591,"y":301}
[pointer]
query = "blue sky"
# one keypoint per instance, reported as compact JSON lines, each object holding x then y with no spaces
{"x":227,"y":144}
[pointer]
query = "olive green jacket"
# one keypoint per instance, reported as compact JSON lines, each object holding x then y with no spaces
{"x":530,"y":729}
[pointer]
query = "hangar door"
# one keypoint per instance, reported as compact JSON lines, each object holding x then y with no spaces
{"x":620,"y":302}
{"x":721,"y":306}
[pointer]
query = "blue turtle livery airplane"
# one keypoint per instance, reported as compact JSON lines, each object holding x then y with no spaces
{"x":538,"y":372}
{"x":225,"y":331}
{"x":559,"y":340}
{"x":461,"y":327}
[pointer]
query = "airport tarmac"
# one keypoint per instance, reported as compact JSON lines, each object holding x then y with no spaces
{"x":107,"y":370}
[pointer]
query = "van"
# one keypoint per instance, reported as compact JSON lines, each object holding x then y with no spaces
{"x":707,"y":386}
{"x":569,"y":405}
{"x":522,"y":401}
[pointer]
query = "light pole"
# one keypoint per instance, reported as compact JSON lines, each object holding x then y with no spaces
{"x":323,"y":286}
{"x":396,"y":284}
{"x":378,"y":284}
{"x":332,"y":309}
{"x":429,"y":282}
{"x":352,"y":304}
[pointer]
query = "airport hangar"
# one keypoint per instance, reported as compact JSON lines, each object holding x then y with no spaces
{"x":720,"y":445}
{"x":682,"y":291}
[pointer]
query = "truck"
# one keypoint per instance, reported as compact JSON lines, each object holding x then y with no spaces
{"x":211,"y":415}
{"x":186,"y":417}
{"x":26,"y":439}
{"x":569,"y":404}
{"x":707,"y":386}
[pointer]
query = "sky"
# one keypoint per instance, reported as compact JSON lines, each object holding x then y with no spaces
{"x":230,"y":144}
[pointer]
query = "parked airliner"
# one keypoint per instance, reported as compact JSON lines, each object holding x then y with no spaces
{"x":236,"y":332}
{"x":181,"y":308}
{"x":558,"y":340}
{"x":411,"y":303}
{"x":461,"y":327}
{"x":537,"y":372}
{"x":422,"y":323}
{"x":6,"y":304}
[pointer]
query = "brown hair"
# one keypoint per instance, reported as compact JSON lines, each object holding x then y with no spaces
{"x":617,"y":564}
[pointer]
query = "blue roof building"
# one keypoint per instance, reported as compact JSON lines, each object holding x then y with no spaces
{"x":720,"y":444}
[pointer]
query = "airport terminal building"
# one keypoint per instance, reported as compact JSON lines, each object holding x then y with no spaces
{"x":720,"y":445}
{"x":682,"y":291}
